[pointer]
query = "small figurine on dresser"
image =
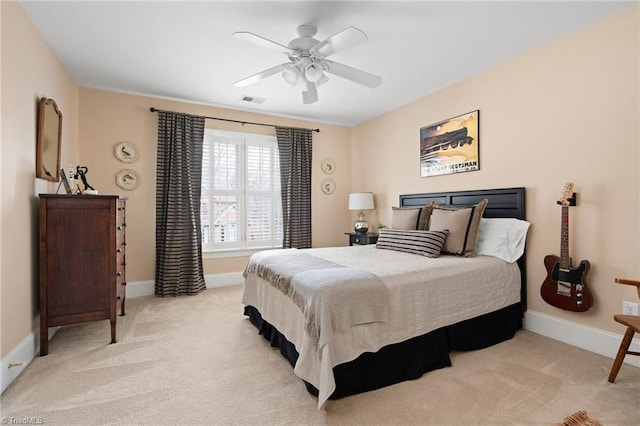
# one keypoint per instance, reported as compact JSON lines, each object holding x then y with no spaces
{"x":81,"y":172}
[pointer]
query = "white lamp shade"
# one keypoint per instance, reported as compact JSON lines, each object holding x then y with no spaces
{"x":361,"y":201}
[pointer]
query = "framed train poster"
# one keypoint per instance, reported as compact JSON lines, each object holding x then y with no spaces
{"x":450,"y":146}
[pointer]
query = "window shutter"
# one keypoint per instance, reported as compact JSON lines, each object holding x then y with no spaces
{"x":242,"y":193}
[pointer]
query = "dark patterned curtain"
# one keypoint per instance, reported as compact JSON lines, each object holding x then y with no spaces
{"x":178,"y":186}
{"x":295,"y":148}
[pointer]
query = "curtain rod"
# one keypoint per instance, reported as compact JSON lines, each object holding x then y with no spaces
{"x":152,"y":109}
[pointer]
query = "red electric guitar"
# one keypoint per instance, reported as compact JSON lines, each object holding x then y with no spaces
{"x":565,"y":286}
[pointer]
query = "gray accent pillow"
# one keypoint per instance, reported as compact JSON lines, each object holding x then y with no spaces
{"x":424,"y":243}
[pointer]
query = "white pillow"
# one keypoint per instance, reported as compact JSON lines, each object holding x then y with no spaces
{"x":503,"y":238}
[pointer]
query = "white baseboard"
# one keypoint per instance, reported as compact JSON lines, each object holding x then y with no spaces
{"x":147,"y":288}
{"x":17,"y":360}
{"x":591,"y":339}
{"x":224,"y":280}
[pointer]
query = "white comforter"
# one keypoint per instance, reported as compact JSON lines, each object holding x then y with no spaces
{"x":425,"y":294}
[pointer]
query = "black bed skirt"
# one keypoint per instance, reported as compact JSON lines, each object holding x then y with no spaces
{"x":407,"y":360}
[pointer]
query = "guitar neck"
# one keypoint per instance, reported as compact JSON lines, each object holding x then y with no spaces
{"x":565,"y":261}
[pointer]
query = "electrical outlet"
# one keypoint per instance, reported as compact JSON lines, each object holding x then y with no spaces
{"x":629,"y":308}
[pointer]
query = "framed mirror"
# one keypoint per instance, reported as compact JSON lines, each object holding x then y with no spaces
{"x":49,"y":140}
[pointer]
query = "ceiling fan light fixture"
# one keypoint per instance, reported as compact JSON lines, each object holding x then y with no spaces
{"x":304,"y":61}
{"x":291,"y":74}
{"x":301,"y":84}
{"x":313,"y":72}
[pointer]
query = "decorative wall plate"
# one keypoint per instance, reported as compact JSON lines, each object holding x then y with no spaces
{"x":328,"y":165}
{"x":328,"y":186}
{"x":128,"y":179}
{"x":126,"y":152}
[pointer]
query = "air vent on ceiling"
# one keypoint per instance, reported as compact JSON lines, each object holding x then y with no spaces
{"x":253,"y":99}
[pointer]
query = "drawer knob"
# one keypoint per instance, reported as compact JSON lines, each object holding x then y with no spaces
{"x":119,"y":250}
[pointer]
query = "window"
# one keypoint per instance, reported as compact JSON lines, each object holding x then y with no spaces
{"x":240,"y":202}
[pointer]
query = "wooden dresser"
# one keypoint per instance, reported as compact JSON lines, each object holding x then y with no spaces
{"x":82,"y":260}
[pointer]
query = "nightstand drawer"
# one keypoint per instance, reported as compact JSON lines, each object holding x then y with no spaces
{"x":362,"y":239}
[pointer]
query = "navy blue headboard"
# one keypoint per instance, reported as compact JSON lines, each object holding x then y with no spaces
{"x":507,"y":202}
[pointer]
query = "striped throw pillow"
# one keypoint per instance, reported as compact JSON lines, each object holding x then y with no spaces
{"x":425,"y":243}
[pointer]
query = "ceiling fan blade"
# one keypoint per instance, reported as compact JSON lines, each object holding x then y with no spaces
{"x":261,"y":75}
{"x":353,"y":74}
{"x":349,"y":37}
{"x":311,"y":94}
{"x":261,"y":41}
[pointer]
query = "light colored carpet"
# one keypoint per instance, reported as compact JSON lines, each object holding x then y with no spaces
{"x":197,"y":360}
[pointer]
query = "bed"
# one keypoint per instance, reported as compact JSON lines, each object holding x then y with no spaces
{"x":406,"y":328}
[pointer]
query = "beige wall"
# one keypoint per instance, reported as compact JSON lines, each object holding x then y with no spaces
{"x":108,"y":118}
{"x":30,"y":70}
{"x":568,"y":111}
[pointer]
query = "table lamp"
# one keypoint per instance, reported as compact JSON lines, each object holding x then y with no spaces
{"x":361,"y":201}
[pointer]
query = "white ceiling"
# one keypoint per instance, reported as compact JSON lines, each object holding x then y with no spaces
{"x":185,"y":50}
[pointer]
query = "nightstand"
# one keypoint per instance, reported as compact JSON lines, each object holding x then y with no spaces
{"x":362,"y":239}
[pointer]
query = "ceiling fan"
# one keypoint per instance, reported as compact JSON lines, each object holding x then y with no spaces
{"x":308,"y":61}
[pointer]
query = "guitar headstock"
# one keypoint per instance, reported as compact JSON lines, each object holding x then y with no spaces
{"x":567,"y":194}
